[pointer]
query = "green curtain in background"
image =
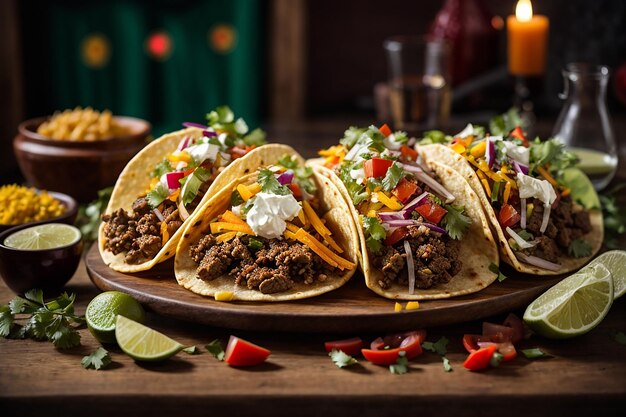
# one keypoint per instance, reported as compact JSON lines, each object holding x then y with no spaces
{"x":168,"y":89}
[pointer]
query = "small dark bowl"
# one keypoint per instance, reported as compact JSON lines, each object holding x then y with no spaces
{"x":71,"y":209}
{"x":47,"y":269}
{"x":77,"y":168}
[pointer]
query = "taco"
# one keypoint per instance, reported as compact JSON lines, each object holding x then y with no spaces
{"x":531,"y":194}
{"x":166,"y":181}
{"x":422,"y":232}
{"x":281,"y":233}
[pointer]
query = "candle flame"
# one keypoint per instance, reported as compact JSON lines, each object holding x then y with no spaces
{"x":524,"y":11}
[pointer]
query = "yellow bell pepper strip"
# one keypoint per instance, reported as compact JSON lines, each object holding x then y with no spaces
{"x":326,"y":254}
{"x":217,"y":227}
{"x":458,"y":148}
{"x":174,"y":196}
{"x":224,"y":296}
{"x":230,"y":217}
{"x":507,"y":192}
{"x":333,"y":155}
{"x":397,"y":307}
{"x":371,"y":213}
{"x":179,"y":156}
{"x":412,"y":305}
{"x":392,"y":202}
{"x":479,"y":150}
{"x":510,"y":181}
{"x":165,"y":235}
{"x":546,"y":175}
{"x":225,"y":237}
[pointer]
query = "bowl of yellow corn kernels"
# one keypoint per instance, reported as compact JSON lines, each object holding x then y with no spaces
{"x":21,"y":205}
{"x":79,"y":151}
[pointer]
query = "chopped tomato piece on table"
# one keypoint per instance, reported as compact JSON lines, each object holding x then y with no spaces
{"x":348,"y":346}
{"x":385,"y":351}
{"x":240,"y":352}
{"x":376,"y":167}
{"x":431,"y":211}
{"x":508,"y":216}
{"x":404,"y":190}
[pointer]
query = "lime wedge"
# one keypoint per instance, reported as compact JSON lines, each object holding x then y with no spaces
{"x":103,"y":310}
{"x":142,"y":343}
{"x":615,"y":262}
{"x":582,"y":190}
{"x":43,"y":236}
{"x":573,"y":306}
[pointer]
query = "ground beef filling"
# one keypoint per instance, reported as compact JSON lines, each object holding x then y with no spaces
{"x":138,"y":233}
{"x":272,"y":269}
{"x":567,"y":223}
{"x":435,"y":257}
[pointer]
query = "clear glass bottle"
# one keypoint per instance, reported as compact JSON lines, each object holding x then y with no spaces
{"x":584,"y":125}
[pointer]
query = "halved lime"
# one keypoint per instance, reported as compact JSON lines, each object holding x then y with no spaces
{"x":582,"y":190}
{"x":573,"y":306}
{"x":102,"y":312}
{"x":43,"y":236}
{"x":142,"y":343}
{"x":615,"y":262}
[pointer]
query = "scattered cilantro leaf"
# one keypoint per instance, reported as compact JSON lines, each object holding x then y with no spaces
{"x":502,"y":124}
{"x":90,"y":215}
{"x":303,"y":178}
{"x":393,"y":176}
{"x":98,"y":360}
{"x":215,"y":348}
{"x":288,"y":161}
{"x":191,"y":350}
{"x":17,"y":305}
{"x":351,"y":136}
{"x":35,"y":295}
{"x":455,"y":222}
{"x":269,"y":183}
{"x":401,"y":137}
{"x":533,"y":353}
{"x":579,"y":248}
{"x":401,"y":366}
{"x":374,"y":184}
{"x":619,"y":337}
{"x":223,"y":119}
{"x":157,"y":195}
{"x":446,"y":364}
{"x":6,"y":320}
{"x":494,"y":268}
{"x":433,"y":136}
{"x":374,"y":228}
{"x":551,"y":152}
{"x":439,"y":347}
{"x":221,"y":114}
{"x":356,"y":191}
{"x":341,"y":359}
{"x":162,"y":168}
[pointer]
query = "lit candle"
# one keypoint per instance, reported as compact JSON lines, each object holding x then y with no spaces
{"x":527,"y":40}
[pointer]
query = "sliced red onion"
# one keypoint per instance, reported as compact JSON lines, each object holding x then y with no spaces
{"x":490,"y":154}
{"x":184,"y":142}
{"x":400,"y":223}
{"x":435,"y":186}
{"x":198,"y":125}
{"x":432,"y":227}
{"x":391,"y":215}
{"x":173,"y":179}
{"x":518,"y":239}
{"x":393,"y":152}
{"x":519,"y":167}
{"x":184,"y":214}
{"x":523,"y":219}
{"x":410,"y":207}
{"x":411,"y":142}
{"x":209,"y":133}
{"x":159,"y":215}
{"x":410,"y":266}
{"x":546,"y":217}
{"x":409,"y":222}
{"x":285,"y":178}
{"x":411,"y":168}
{"x":536,"y":261}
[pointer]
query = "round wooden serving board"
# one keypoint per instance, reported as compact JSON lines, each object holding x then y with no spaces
{"x":352,"y":308}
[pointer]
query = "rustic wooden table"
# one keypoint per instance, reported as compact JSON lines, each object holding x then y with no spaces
{"x":583,"y":376}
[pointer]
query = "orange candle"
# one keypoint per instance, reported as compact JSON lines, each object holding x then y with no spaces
{"x":527,"y":40}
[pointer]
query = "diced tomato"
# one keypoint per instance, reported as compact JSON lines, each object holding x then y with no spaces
{"x":518,"y":134}
{"x":240,"y":352}
{"x":295,"y":189}
{"x":396,"y":236}
{"x":348,"y":346}
{"x":376,"y":167}
{"x":431,"y":211}
{"x":410,"y":343}
{"x":385,"y":130}
{"x":479,"y":359}
{"x":508,"y":216}
{"x":517,"y":325}
{"x":498,"y":333}
{"x":473,"y":342}
{"x":470,"y":342}
{"x":408,"y":152}
{"x":404,"y":190}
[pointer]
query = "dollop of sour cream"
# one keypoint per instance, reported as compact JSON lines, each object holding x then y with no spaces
{"x":203,"y":151}
{"x":269,"y":212}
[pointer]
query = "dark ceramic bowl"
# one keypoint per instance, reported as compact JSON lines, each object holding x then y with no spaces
{"x":77,"y":168}
{"x":71,"y":208}
{"x":47,"y":269}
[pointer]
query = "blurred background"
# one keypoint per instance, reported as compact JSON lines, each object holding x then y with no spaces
{"x":303,"y":70}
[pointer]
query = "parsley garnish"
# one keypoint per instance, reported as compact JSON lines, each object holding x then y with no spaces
{"x":157,"y":195}
{"x":455,"y":222}
{"x":533,"y":353}
{"x":341,"y":359}
{"x":162,"y":167}
{"x":191,"y":350}
{"x":376,"y":232}
{"x":269,"y":183}
{"x":215,"y":348}
{"x":223,"y":119}
{"x":401,"y":366}
{"x":193,"y":184}
{"x":52,"y":320}
{"x":393,"y":176}
{"x":551,"y":152}
{"x":494,"y":268}
{"x":579,"y":248}
{"x":98,"y":360}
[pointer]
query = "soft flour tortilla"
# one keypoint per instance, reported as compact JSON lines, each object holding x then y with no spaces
{"x":133,"y":182}
{"x":477,"y":248}
{"x":447,"y":156}
{"x":333,"y":209}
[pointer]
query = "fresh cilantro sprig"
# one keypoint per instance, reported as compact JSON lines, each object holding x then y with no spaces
{"x":162,"y":168}
{"x":193,"y":183}
{"x":401,"y":366}
{"x":223,"y":119}
{"x":455,"y":221}
{"x":357,"y":191}
{"x":494,"y":268}
{"x":351,"y":136}
{"x":439,"y":347}
{"x":341,"y":359}
{"x":579,"y":248}
{"x":393,"y":176}
{"x":551,"y":152}
{"x":157,"y":195}
{"x":215,"y":348}
{"x":375,"y":233}
{"x":269,"y":183}
{"x":90,"y":216}
{"x":32,"y":317}
{"x":302,"y":174}
{"x":100,"y":359}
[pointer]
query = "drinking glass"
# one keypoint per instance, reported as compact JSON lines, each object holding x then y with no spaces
{"x":419,"y":83}
{"x":584,"y":125}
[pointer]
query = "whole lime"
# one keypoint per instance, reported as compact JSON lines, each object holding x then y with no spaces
{"x":102,"y":312}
